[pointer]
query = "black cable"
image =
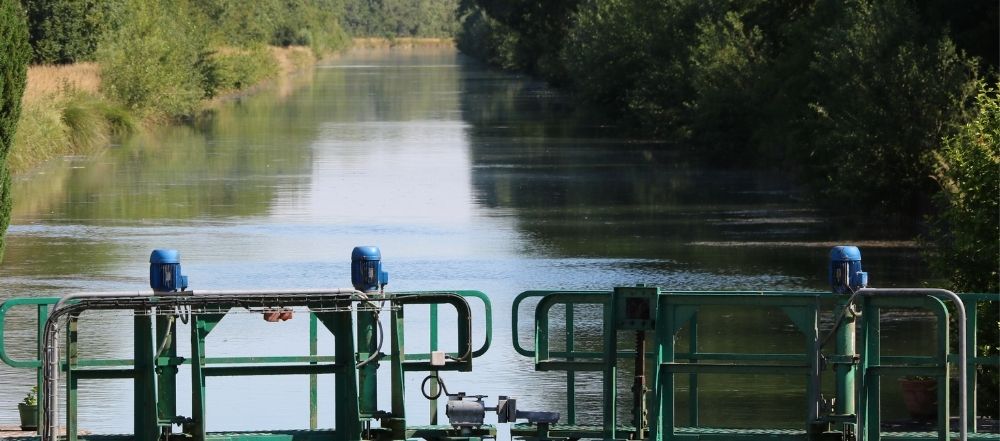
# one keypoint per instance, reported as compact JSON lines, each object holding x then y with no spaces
{"x":440,"y":383}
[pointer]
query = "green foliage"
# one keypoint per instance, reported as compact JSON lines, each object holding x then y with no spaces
{"x":533,"y":32}
{"x":70,"y":121}
{"x":965,"y":238}
{"x":233,"y":69}
{"x":882,"y":91}
{"x":63,"y":31}
{"x":31,"y":398}
{"x":314,"y":23}
{"x":726,"y":65}
{"x":967,"y":167}
{"x":147,"y":64}
{"x":401,"y":18}
{"x":14,"y":55}
{"x":489,"y":40}
{"x":847,"y":95}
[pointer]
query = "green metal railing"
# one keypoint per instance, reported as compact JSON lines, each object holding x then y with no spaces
{"x":856,"y":399}
{"x":938,"y":365}
{"x":42,"y":307}
{"x":155,"y":370}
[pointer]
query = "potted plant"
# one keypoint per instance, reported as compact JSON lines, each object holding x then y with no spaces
{"x":920,"y":396}
{"x":28,"y":408}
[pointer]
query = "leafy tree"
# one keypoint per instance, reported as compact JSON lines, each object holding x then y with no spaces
{"x":401,"y":18}
{"x":63,"y":31}
{"x":540,"y":29}
{"x":883,"y":90}
{"x":14,"y":55}
{"x":489,"y":40}
{"x":148,"y":63}
{"x":965,"y":238}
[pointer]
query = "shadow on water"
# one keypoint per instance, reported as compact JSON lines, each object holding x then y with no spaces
{"x":581,"y":188}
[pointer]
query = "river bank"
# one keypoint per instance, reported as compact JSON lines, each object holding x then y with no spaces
{"x":65,"y":112}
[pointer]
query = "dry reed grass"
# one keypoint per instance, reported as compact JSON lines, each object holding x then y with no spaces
{"x":45,"y":80}
{"x":63,"y":111}
{"x":293,"y":59}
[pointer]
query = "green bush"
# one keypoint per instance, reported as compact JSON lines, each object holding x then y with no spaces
{"x":233,"y":69}
{"x":489,"y":40}
{"x":14,"y":55}
{"x":148,"y":64}
{"x":883,"y":90}
{"x":965,"y":238}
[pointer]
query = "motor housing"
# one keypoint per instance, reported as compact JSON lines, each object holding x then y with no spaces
{"x":845,"y":272}
{"x":165,"y":271}
{"x":366,"y":269}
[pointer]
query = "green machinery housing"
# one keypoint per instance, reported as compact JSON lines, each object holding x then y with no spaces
{"x":649,"y":317}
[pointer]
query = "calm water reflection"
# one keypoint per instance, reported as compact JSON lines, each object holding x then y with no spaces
{"x":467,"y":179}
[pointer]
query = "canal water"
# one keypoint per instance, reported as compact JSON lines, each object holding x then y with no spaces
{"x":467,"y":179}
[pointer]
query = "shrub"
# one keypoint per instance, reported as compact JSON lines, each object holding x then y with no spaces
{"x":965,"y":238}
{"x":14,"y":54}
{"x":231,"y":69}
{"x":67,"y":121}
{"x":148,"y":64}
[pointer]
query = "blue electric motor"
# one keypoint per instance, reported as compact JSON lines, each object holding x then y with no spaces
{"x":165,"y":271}
{"x":366,"y":269}
{"x":845,"y":270}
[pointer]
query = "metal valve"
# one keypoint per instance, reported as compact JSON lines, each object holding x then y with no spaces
{"x":466,"y":413}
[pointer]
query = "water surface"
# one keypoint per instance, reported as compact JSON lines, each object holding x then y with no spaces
{"x":467,"y":179}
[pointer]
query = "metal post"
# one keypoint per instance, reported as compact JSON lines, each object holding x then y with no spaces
{"x":145,"y":379}
{"x":639,"y":387}
{"x":971,"y":313}
{"x":43,"y":316}
{"x":570,"y":373}
{"x":693,"y":406}
{"x":347,"y":416}
{"x":198,"y":377}
{"x":313,"y":381}
{"x":846,"y":349}
{"x":367,"y":374}
{"x":435,"y":387}
{"x":398,"y":421}
{"x":664,"y":424}
{"x":72,"y":358}
{"x":610,"y":372}
{"x":166,"y":381}
{"x":871,"y":384}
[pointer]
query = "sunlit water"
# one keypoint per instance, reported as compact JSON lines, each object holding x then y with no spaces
{"x":466,"y":179}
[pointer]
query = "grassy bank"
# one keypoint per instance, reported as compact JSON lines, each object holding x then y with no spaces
{"x":67,"y":112}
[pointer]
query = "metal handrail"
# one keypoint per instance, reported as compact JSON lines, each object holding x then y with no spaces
{"x":962,"y":349}
{"x":6,"y":306}
{"x":78,"y":302}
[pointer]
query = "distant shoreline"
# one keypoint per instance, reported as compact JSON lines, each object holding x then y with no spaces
{"x":376,"y":42}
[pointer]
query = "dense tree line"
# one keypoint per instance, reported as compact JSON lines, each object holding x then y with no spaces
{"x":401,"y":18}
{"x":66,"y":31}
{"x":160,"y":58}
{"x":850,"y":95}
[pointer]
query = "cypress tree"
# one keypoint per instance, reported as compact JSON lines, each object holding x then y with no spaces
{"x":14,"y":55}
